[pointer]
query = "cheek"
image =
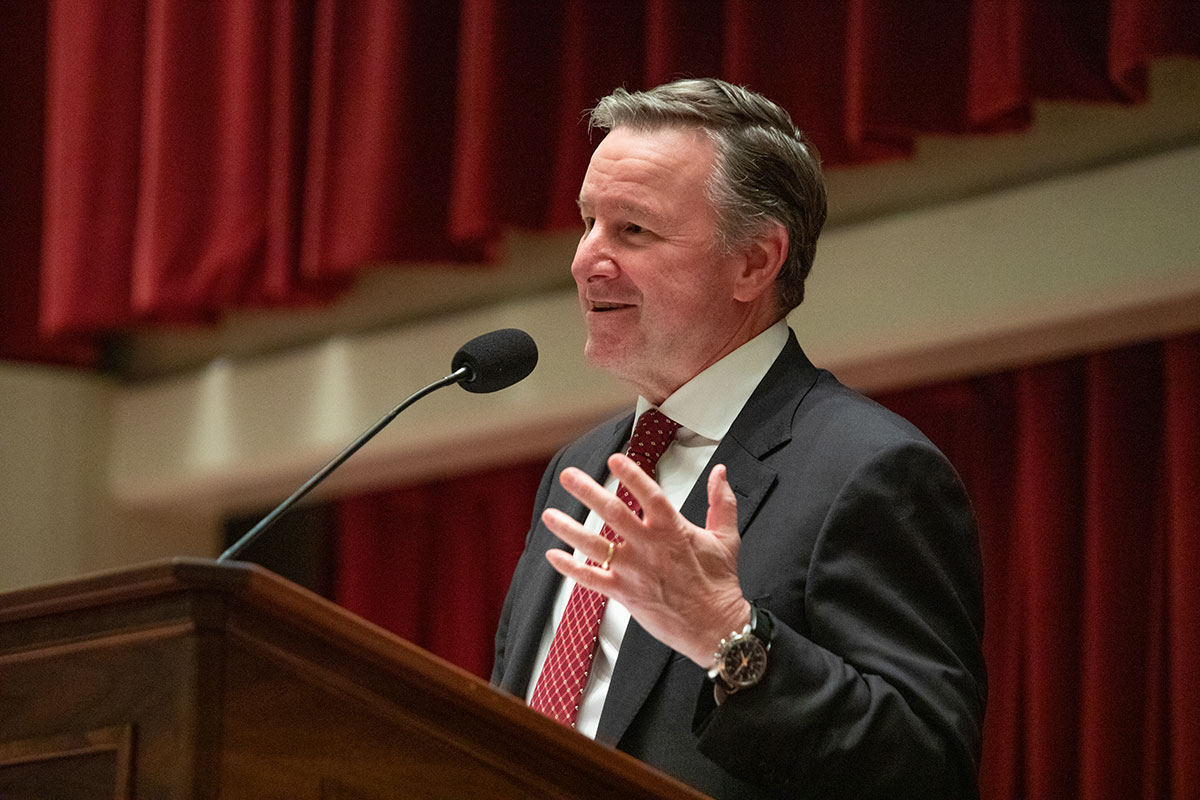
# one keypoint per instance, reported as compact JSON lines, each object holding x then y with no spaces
{"x":685,"y":300}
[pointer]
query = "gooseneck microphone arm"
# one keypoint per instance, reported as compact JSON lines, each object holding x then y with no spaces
{"x":462,"y":373}
{"x":487,"y":363}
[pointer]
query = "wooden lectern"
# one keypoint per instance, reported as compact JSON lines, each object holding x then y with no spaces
{"x":192,"y":679}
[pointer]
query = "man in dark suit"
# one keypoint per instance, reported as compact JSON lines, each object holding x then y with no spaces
{"x":784,"y":598}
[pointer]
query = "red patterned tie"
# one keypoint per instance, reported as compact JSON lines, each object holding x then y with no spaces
{"x":560,"y":688}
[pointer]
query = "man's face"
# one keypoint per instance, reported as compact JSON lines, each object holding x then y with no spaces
{"x":657,"y":298}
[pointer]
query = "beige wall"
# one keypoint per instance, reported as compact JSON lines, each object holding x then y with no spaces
{"x":57,"y":515}
{"x":1034,"y":272}
{"x":96,"y":474}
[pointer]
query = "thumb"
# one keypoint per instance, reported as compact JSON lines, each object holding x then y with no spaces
{"x":722,"y":505}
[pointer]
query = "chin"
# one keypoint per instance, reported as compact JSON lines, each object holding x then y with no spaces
{"x":603,"y":350}
{"x":612,"y":360}
{"x":600,"y":357}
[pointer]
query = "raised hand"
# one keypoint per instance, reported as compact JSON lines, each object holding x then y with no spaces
{"x":678,"y":580}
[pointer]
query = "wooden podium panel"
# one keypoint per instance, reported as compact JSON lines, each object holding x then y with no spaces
{"x":192,"y":679}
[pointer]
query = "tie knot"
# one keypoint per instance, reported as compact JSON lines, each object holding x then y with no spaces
{"x":652,"y":435}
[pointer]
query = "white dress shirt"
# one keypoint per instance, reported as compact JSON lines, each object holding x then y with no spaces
{"x":704,"y":407}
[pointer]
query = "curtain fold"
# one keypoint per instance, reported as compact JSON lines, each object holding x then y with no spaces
{"x":22,"y":120}
{"x":1085,"y":477}
{"x":1090,"y":622}
{"x":1178,"y":696}
{"x":206,"y":156}
{"x":432,"y":562}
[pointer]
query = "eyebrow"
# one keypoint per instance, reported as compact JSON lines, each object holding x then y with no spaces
{"x":630,"y":208}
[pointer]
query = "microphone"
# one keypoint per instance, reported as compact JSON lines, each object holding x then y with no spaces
{"x":496,"y":360}
{"x":487,"y":363}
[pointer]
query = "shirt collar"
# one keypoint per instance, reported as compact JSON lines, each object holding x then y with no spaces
{"x":709,"y":403}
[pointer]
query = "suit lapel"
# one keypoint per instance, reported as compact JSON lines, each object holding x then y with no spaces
{"x":544,"y":581}
{"x":762,"y":426}
{"x":643,"y":658}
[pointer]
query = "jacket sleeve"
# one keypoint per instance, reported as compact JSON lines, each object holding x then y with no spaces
{"x":877,"y":688}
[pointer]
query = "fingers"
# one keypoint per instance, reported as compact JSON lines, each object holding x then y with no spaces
{"x":722,"y":503}
{"x":592,"y":577}
{"x":592,"y":545}
{"x":593,"y":573}
{"x":608,"y":506}
{"x":656,"y":508}
{"x":599,"y":551}
{"x":645,"y":489}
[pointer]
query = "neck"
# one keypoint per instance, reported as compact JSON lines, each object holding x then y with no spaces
{"x":662,"y":386}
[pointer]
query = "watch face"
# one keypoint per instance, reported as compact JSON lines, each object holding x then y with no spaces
{"x":744,"y":662}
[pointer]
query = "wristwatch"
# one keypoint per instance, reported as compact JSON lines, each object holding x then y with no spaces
{"x":741,"y":659}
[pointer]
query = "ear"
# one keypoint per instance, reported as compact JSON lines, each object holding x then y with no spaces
{"x":762,"y":260}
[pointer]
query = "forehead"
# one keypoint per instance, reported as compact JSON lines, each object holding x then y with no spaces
{"x":641,"y":167}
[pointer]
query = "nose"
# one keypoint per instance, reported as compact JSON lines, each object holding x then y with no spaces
{"x":593,"y":260}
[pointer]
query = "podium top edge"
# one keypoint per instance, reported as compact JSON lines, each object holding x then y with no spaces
{"x":400,"y":667}
{"x":142,"y":580}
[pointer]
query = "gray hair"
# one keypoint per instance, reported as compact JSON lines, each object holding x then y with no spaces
{"x":765,"y":171}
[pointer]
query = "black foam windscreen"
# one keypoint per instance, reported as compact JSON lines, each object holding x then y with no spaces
{"x":496,"y":360}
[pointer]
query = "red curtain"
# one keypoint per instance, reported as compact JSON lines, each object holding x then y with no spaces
{"x":1086,"y":479}
{"x":1085,"y":475}
{"x":432,"y":562}
{"x":22,"y":120}
{"x":201,"y":156}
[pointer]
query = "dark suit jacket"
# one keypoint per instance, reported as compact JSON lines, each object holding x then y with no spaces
{"x":858,"y":537}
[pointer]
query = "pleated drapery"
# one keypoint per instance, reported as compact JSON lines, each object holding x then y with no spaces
{"x":1085,"y":476}
{"x":432,"y":562}
{"x":205,"y":156}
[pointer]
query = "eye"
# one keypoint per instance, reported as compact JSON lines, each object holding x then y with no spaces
{"x":633,"y":228}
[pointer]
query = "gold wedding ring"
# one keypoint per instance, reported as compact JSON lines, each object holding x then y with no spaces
{"x":612,"y":548}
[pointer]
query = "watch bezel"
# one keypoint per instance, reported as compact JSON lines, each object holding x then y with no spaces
{"x":755,"y":636}
{"x":753,"y":665}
